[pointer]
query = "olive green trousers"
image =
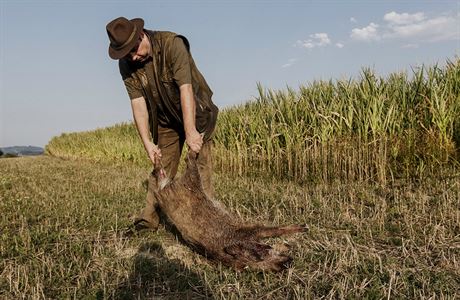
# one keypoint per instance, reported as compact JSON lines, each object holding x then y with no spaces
{"x":171,"y":143}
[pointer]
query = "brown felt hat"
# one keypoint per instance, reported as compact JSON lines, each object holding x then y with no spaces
{"x":123,"y":35}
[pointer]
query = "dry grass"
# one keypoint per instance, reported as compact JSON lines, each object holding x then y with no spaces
{"x":61,"y":220}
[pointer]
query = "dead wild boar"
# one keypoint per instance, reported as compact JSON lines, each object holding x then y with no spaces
{"x":211,"y":230}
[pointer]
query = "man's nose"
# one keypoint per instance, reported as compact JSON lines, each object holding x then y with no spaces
{"x":134,"y":56}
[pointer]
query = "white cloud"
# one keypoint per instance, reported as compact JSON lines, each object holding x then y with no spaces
{"x":404,"y":18}
{"x":413,"y":28}
{"x":317,"y":40}
{"x":429,"y":30}
{"x":368,"y":33}
{"x":322,"y":38}
{"x":353,"y":20}
{"x":289,"y":63}
{"x":339,"y":45}
{"x":305,"y":44}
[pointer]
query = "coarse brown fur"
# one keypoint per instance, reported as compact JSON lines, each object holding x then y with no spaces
{"x":209,"y":228}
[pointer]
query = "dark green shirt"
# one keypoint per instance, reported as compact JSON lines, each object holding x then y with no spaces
{"x":158,"y":81}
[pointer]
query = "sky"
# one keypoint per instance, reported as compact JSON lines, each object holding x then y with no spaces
{"x":56,"y":76}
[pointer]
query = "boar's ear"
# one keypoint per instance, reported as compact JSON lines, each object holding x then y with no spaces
{"x":192,"y":155}
{"x":191,"y":171}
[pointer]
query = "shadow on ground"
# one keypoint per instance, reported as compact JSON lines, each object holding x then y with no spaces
{"x":154,"y":276}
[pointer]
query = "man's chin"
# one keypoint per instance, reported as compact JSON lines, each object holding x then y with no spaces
{"x":139,"y":60}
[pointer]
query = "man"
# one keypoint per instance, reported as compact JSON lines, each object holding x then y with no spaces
{"x":170,"y":100}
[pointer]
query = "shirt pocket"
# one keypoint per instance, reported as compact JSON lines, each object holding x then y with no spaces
{"x":171,"y":88}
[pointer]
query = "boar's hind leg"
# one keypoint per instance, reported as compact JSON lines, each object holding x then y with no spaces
{"x":256,"y":256}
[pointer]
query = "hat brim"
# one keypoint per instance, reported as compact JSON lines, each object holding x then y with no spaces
{"x":120,"y":53}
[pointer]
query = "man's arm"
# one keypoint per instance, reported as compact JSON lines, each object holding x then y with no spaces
{"x":187,"y":101}
{"x":141,"y":118}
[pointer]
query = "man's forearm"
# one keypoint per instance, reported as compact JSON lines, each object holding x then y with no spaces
{"x":141,"y":118}
{"x":188,"y":106}
{"x":192,"y":137}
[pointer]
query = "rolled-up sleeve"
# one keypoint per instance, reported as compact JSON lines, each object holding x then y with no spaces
{"x":180,"y":62}
{"x":133,"y":86}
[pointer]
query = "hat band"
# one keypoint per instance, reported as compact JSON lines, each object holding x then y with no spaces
{"x":127,"y":42}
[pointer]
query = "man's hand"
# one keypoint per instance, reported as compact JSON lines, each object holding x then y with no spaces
{"x":154,"y":153}
{"x":194,"y":140}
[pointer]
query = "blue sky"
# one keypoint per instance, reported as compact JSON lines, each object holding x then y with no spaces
{"x":56,"y":76}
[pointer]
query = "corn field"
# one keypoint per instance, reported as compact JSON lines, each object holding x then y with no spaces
{"x":373,"y":128}
{"x":403,"y":126}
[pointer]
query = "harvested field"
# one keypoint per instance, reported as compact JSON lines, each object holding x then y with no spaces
{"x":61,"y":220}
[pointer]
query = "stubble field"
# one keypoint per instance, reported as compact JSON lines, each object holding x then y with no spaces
{"x":61,"y":225}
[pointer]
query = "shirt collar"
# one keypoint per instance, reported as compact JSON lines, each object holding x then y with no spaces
{"x":155,"y":50}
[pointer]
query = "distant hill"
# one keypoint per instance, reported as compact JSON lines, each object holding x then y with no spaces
{"x":21,"y":151}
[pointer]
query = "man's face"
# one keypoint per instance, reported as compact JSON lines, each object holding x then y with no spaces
{"x":141,"y":50}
